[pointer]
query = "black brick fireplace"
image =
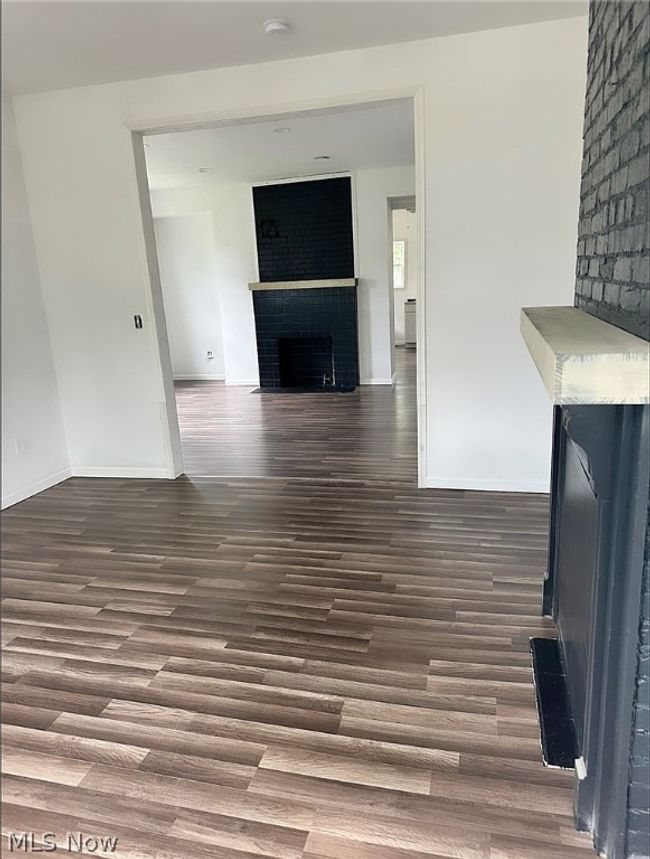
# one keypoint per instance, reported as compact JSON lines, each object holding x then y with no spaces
{"x":306,"y":301}
{"x":307,"y":338}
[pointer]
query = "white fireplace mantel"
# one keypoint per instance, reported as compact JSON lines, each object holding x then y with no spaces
{"x":585,"y":361}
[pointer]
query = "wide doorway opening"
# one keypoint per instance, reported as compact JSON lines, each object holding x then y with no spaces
{"x":279,"y":296}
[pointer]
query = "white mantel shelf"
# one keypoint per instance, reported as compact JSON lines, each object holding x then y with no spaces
{"x":585,"y":361}
{"x":305,"y":284}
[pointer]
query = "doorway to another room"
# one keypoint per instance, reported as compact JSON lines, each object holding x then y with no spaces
{"x":404,"y":271}
{"x":279,"y":300}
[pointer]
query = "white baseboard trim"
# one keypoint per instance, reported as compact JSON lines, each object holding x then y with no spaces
{"x":124,"y":471}
{"x":200,"y":377}
{"x":34,"y":488}
{"x":376,"y":382}
{"x":243,"y":383}
{"x":536,"y":486}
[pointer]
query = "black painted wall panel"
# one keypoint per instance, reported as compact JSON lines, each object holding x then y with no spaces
{"x":578,"y":549}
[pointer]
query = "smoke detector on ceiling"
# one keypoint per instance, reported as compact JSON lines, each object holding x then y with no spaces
{"x":276,"y":27}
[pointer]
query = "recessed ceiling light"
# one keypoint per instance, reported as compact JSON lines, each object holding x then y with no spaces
{"x":276,"y":27}
{"x":204,"y":169}
{"x":283,"y":130}
{"x":322,"y":157}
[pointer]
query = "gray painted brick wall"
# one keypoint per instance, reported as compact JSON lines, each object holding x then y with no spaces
{"x":612,"y":268}
{"x":612,"y":271}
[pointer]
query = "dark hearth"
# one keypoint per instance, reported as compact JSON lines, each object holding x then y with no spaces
{"x":558,"y":729}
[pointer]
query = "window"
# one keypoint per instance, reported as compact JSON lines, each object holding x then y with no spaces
{"x":399,"y":264}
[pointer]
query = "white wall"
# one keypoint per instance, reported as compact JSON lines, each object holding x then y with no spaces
{"x":230,"y":209}
{"x":188,"y":274}
{"x":404,"y":229}
{"x":501,"y":126}
{"x":372,"y":191}
{"x":31,"y":413}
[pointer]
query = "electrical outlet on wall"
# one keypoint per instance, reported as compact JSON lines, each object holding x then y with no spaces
{"x":210,"y":354}
{"x":21,"y":446}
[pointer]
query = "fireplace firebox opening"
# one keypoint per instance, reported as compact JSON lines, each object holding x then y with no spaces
{"x":306,"y":362}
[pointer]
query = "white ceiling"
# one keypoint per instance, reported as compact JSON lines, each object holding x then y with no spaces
{"x":52,"y":45}
{"x":380,"y":136}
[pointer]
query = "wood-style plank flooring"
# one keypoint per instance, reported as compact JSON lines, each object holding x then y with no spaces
{"x":369,"y":433}
{"x":279,"y":667}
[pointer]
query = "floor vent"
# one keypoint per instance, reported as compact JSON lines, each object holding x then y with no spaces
{"x":559,"y":746}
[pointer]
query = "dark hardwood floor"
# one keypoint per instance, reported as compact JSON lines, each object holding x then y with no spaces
{"x":270,"y":666}
{"x":369,"y":433}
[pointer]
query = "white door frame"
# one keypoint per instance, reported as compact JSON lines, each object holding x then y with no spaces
{"x":163,"y":125}
{"x":395,"y":203}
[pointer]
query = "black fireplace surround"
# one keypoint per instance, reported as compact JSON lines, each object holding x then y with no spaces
{"x":307,"y":338}
{"x":594,"y":592}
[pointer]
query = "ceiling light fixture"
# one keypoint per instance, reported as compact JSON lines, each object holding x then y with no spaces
{"x":283,"y":130}
{"x":276,"y":27}
{"x":322,"y":157}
